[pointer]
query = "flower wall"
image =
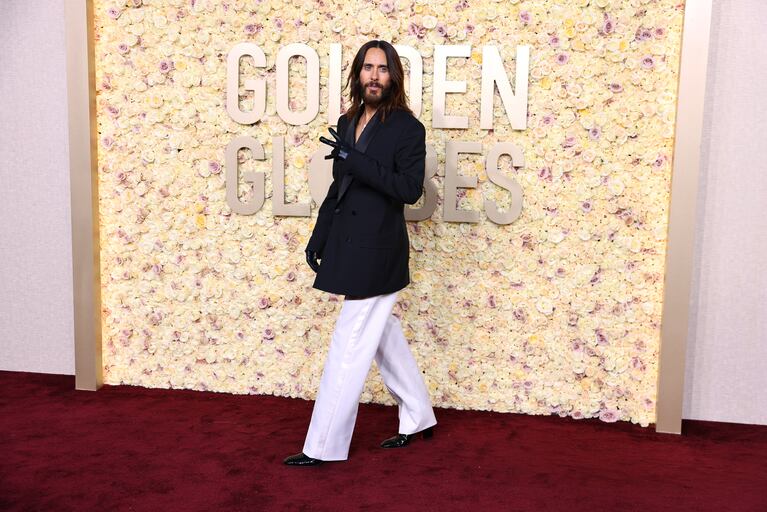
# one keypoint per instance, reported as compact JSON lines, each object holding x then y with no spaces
{"x":556,"y":313}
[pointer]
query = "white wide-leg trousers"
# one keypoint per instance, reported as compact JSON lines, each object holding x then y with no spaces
{"x":365,"y":330}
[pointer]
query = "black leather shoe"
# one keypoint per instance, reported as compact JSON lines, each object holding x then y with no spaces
{"x":401,"y":440}
{"x":300,"y":459}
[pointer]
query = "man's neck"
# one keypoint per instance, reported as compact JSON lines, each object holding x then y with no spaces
{"x":369,"y":112}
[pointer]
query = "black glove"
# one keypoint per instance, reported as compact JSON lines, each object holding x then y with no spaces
{"x":341,"y":149}
{"x":311,"y":259}
{"x":342,"y":152}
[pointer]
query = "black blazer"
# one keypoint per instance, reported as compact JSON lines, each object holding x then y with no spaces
{"x":360,"y":233}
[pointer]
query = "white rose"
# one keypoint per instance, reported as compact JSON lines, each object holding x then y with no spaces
{"x":544,"y":305}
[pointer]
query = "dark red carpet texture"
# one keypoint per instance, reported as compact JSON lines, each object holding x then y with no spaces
{"x":126,"y":448}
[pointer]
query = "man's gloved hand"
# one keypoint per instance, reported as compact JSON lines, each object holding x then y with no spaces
{"x":311,"y":259}
{"x":352,"y":159}
{"x":341,"y":149}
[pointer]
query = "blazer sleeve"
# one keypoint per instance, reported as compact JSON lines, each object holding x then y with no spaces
{"x":405,"y":181}
{"x":324,"y":220}
{"x":325,"y":216}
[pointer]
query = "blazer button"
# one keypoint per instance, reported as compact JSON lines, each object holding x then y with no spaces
{"x":338,"y":210}
{"x":348,"y":239}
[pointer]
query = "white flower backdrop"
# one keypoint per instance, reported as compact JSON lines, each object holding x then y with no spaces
{"x":556,"y":313}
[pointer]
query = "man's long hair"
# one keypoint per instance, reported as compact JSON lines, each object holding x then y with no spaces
{"x":397,"y":97}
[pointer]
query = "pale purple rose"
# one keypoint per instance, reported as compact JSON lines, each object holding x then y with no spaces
{"x":278,"y":23}
{"x":659,"y":33}
{"x":107,"y":142}
{"x":643,"y":34}
{"x":594,"y":133}
{"x":112,"y":111}
{"x":527,"y":243}
{"x":520,"y":315}
{"x":608,"y":27}
{"x":123,"y":48}
{"x":250,"y":29}
{"x":114,"y":13}
{"x":577,"y":345}
{"x":387,"y":6}
{"x":609,"y":415}
{"x":268,"y":334}
{"x":648,"y":62}
{"x":554,"y":41}
{"x":572,"y":319}
{"x":616,"y":87}
{"x":441,"y":30}
{"x":165,"y":65}
{"x":124,"y":340}
{"x":524,"y":17}
{"x":416,"y":30}
{"x":569,"y":141}
{"x":264,"y":302}
{"x":461,"y":5}
{"x":601,"y":337}
{"x":544,"y":173}
{"x":491,"y":301}
{"x":660,"y":161}
{"x":291,"y":276}
{"x":577,"y":415}
{"x":586,"y":206}
{"x":547,"y":120}
{"x":214,"y":167}
{"x":562,"y":58}
{"x":648,"y":404}
{"x":469,"y":28}
{"x":297,"y":22}
{"x":155,"y":318}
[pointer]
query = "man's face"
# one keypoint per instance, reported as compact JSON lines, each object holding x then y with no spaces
{"x":374,"y":77}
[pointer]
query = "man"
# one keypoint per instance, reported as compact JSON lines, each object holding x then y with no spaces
{"x":361,"y":241}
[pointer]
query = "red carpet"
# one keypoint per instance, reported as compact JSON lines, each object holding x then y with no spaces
{"x":134,"y":449}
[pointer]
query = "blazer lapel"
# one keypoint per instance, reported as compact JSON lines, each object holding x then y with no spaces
{"x":367,"y":134}
{"x":362,"y":144}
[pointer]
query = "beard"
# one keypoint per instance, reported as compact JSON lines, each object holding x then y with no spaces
{"x":377,"y":98}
